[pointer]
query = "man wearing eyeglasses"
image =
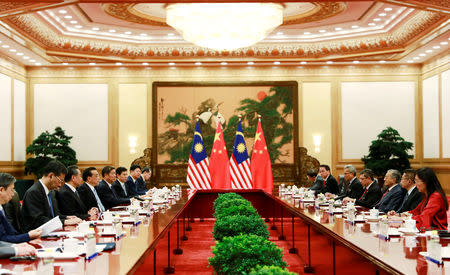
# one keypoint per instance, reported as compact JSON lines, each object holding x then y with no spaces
{"x":39,"y":202}
{"x":372,"y":192}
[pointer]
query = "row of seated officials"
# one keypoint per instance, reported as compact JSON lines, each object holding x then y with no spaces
{"x":415,"y":193}
{"x":64,"y":192}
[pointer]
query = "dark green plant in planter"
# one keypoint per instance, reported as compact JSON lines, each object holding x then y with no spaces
{"x":240,"y":254}
{"x":270,"y":270}
{"x":234,"y":225}
{"x":225,"y":197}
{"x":388,"y":151}
{"x":232,"y":202}
{"x":46,"y":147}
{"x":243,"y":210}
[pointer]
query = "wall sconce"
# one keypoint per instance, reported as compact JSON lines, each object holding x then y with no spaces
{"x":317,"y":140}
{"x":132,"y":141}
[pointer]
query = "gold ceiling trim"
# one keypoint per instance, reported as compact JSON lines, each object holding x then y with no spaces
{"x":416,"y":26}
{"x":126,"y":12}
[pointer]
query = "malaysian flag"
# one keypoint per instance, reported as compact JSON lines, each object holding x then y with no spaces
{"x":241,"y":177}
{"x":198,"y":170}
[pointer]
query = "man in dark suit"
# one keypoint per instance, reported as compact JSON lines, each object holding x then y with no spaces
{"x":134,"y":180}
{"x":372,"y":192}
{"x":330,"y":184}
{"x":351,"y":187}
{"x":87,"y":191}
{"x":69,"y":200}
{"x":12,"y":212}
{"x":108,"y":195}
{"x":315,"y":179}
{"x":39,"y":202}
{"x":412,"y":196}
{"x":120,"y":186}
{"x":145,"y":176}
{"x":7,"y":231}
{"x":393,"y":196}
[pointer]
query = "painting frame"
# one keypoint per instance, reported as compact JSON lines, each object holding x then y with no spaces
{"x":176,"y":173}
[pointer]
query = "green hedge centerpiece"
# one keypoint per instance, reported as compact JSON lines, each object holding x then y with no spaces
{"x":234,"y":225}
{"x":232,"y":202}
{"x":242,"y":253}
{"x":270,"y":270}
{"x":242,"y":209}
{"x":225,"y":197}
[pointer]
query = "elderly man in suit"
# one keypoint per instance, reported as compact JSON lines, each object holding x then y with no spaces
{"x":39,"y":202}
{"x":7,"y":231}
{"x":351,"y":187}
{"x":393,"y":196}
{"x":87,"y":191}
{"x":69,"y":200}
{"x":372,"y":192}
{"x":105,"y":191}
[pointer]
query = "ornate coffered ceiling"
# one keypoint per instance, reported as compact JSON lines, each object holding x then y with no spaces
{"x":87,"y":32}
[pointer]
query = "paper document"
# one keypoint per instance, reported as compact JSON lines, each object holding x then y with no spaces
{"x":50,"y":226}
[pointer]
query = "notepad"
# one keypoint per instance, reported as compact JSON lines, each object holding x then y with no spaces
{"x":50,"y":226}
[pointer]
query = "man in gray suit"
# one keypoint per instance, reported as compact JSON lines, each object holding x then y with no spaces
{"x":10,"y":250}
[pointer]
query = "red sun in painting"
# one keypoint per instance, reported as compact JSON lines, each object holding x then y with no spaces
{"x":261,"y":95}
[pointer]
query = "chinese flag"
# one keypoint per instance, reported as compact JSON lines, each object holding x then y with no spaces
{"x":218,"y":165}
{"x":260,"y":163}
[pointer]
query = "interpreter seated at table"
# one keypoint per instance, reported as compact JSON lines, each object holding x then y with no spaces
{"x":8,"y":250}
{"x":393,"y":196}
{"x":135,"y":181}
{"x":122,"y":189}
{"x":69,"y":200}
{"x":372,"y":192}
{"x":107,"y":194}
{"x":7,"y":231}
{"x":351,"y":187}
{"x":431,"y":213}
{"x":316,"y":180}
{"x":330,"y":184}
{"x":39,"y":202}
{"x":412,"y":196}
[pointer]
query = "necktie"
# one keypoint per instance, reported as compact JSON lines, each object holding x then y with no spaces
{"x":385,"y":193}
{"x":324,"y":183}
{"x":404,"y":201}
{"x":51,"y":204}
{"x":365,"y":191}
{"x":124,"y":189}
{"x":100,"y":205}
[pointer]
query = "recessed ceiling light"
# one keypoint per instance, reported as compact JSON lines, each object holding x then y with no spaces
{"x":112,"y":30}
{"x":338,"y":29}
{"x":436,"y":47}
{"x":306,"y":33}
{"x":143,"y":34}
{"x":92,"y":63}
{"x":355,"y":27}
{"x":13,"y":50}
{"x":382,"y":61}
{"x":19,"y":54}
{"x":377,"y":19}
{"x":118,"y":63}
{"x":73,"y":21}
{"x":198,"y":63}
{"x":303,"y":62}
{"x":62,"y":11}
{"x":322,"y":31}
{"x":26,"y":57}
{"x":276,"y":63}
{"x":127,"y":32}
{"x":388,"y":9}
{"x":250,"y":63}
{"x":171,"y":63}
{"x":32,"y":60}
{"x":5,"y":46}
{"x":410,"y":61}
{"x":144,"y":63}
{"x":382,"y":14}
{"x":95,"y":29}
{"x":223,"y":63}
{"x":37,"y":64}
{"x":444,"y":43}
{"x":68,"y":17}
{"x":371,"y":24}
{"x":422,"y":54}
{"x":78,"y":26}
{"x":65,"y":63}
{"x":170,"y":34}
{"x":416,"y":58}
{"x":330,"y":62}
{"x":355,"y":61}
{"x":429,"y":51}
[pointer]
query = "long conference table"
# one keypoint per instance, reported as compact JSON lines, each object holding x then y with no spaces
{"x":325,"y":244}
